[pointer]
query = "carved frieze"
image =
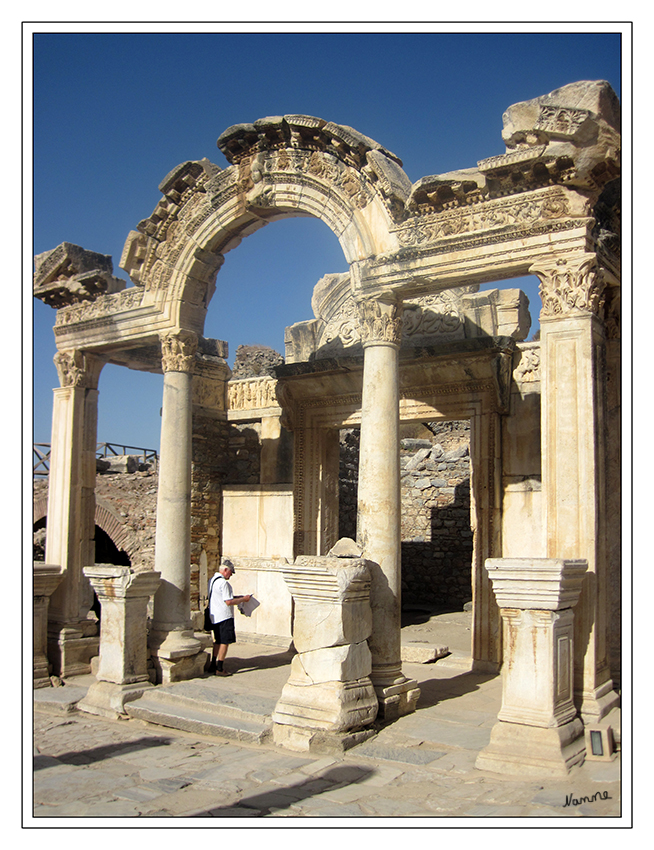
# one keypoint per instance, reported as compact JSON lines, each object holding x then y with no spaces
{"x":325,"y":167}
{"x":570,"y":286}
{"x":252,"y":394}
{"x":178,"y":351}
{"x":488,"y":215}
{"x":104,"y":306}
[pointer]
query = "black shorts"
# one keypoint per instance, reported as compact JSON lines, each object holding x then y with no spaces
{"x":224,"y":632}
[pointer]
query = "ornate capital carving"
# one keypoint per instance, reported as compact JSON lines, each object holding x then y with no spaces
{"x":78,"y":368}
{"x":571,"y":286}
{"x":380,"y":321}
{"x":178,"y":351}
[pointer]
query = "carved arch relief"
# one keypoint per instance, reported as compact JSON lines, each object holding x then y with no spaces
{"x":287,"y":167}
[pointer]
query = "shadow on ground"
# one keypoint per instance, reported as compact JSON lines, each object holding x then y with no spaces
{"x":260,"y":805}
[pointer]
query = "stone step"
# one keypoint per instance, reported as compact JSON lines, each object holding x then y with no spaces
{"x":206,"y":709}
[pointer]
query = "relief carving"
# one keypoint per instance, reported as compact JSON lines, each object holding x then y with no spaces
{"x":252,"y":394}
{"x":78,"y":369}
{"x":570,"y":287}
{"x":105,"y":305}
{"x":487,"y":215}
{"x":178,"y":351}
{"x":380,"y":321}
{"x":528,"y":368}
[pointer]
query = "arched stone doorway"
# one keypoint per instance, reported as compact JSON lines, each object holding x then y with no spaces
{"x":524,"y":212}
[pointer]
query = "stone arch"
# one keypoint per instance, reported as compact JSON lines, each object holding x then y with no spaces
{"x":281,"y":167}
{"x":106,"y":518}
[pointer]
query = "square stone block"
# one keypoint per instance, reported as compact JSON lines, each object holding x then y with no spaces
{"x":323,"y":624}
{"x":332,"y":664}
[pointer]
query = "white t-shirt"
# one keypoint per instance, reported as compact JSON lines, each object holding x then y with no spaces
{"x":220,"y":590}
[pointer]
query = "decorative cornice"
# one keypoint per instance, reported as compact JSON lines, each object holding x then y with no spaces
{"x":178,"y":351}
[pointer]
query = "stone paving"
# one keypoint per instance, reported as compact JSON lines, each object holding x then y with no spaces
{"x":421,"y":766}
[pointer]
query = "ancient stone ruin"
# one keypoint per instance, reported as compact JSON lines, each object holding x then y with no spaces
{"x":406,"y":339}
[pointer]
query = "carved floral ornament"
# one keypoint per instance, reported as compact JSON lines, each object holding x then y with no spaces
{"x":78,"y":368}
{"x":380,"y":321}
{"x":571,"y":287}
{"x":178,"y":351}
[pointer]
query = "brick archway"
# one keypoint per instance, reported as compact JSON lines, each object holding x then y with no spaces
{"x":106,"y":518}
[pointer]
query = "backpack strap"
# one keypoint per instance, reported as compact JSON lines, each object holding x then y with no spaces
{"x":213,"y":581}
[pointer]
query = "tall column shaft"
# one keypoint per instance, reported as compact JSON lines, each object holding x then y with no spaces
{"x":378,"y":527}
{"x":573,"y":388}
{"x":176,"y":652}
{"x":70,"y":539}
{"x":172,"y":608}
{"x":379,"y":504}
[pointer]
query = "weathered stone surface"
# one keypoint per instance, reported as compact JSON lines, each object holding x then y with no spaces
{"x":332,"y":664}
{"x":69,"y":274}
{"x":416,"y":652}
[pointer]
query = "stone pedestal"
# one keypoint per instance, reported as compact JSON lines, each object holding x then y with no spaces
{"x":537,"y":730}
{"x":176,"y":653}
{"x":379,"y":500}
{"x":46,"y":579}
{"x":122,"y":673}
{"x":329,"y":693}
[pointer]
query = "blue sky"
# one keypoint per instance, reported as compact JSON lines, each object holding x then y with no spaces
{"x":114,"y":113}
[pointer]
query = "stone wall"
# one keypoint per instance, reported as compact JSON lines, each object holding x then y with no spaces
{"x":210,"y":442}
{"x":436,"y":534}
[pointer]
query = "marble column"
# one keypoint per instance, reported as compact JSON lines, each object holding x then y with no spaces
{"x":573,"y":417}
{"x":379,"y":502}
{"x":176,"y":652}
{"x":122,"y":672}
{"x":72,"y":638}
{"x":46,"y":579}
{"x":537,"y":732}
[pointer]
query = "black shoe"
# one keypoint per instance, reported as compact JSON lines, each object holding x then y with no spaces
{"x":222,"y":673}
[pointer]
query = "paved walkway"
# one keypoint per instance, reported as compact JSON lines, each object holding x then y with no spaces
{"x":421,"y":766}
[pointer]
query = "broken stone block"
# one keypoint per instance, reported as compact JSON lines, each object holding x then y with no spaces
{"x":422,"y":653}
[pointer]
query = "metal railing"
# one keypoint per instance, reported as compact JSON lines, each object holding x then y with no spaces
{"x":41,"y":459}
{"x":42,"y":453}
{"x":111,"y":450}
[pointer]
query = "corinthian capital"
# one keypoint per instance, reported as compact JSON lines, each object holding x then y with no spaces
{"x":380,"y":321}
{"x":570,"y":286}
{"x":178,"y":351}
{"x":78,"y":368}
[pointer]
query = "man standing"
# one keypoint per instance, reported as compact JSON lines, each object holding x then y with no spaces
{"x":221,"y":611}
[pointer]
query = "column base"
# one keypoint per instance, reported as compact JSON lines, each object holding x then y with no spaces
{"x":397,"y":699}
{"x":177,"y":656}
{"x":41,"y":672}
{"x":72,"y":646}
{"x":596,"y":704}
{"x":328,"y":706}
{"x":107,"y":699}
{"x":315,"y":741}
{"x":533,"y":750}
